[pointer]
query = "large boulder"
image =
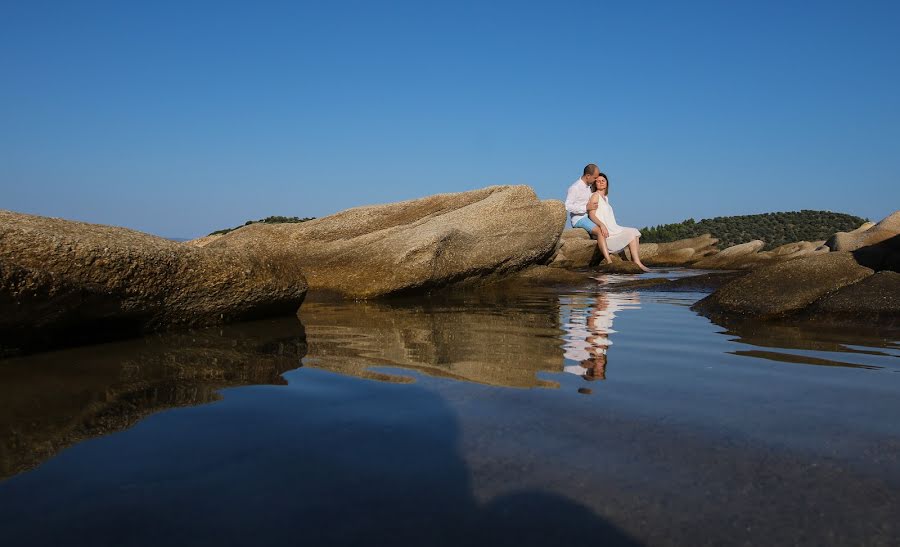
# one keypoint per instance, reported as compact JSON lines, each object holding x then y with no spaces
{"x":64,"y":282}
{"x":414,"y":245}
{"x":784,"y":288}
{"x":576,"y":249}
{"x":865,"y":236}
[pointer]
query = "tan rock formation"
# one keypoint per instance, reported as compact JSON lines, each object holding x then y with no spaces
{"x":62,"y":280}
{"x":865,"y":236}
{"x":576,"y":249}
{"x":419,"y":244}
{"x":678,"y":253}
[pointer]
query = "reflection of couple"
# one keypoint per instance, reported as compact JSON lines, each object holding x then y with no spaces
{"x":588,"y":329}
{"x":587,"y":202}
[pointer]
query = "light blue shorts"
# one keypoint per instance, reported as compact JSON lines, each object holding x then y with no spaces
{"x":586,"y":224}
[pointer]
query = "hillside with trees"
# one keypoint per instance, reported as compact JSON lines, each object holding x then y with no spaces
{"x":774,"y":228}
{"x":267,"y":220}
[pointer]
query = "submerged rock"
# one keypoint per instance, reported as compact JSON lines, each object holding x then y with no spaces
{"x":67,"y":282}
{"x":784,"y":288}
{"x":413,"y":245}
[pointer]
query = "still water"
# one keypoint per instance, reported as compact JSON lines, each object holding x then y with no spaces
{"x":534,"y":417}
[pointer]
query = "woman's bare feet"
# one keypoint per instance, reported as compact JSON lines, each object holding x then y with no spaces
{"x":641,"y":266}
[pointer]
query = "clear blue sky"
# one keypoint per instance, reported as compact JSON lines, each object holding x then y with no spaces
{"x":178,"y":118}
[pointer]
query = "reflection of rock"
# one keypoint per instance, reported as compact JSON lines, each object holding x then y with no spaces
{"x":53,"y":400}
{"x":770,"y":339}
{"x":477,"y":342}
{"x":66,"y":281}
{"x":785,"y":287}
{"x":418,"y":244}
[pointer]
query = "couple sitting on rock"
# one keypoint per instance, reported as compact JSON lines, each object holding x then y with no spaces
{"x":588,"y":205}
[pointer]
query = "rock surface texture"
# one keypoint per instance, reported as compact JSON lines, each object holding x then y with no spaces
{"x":414,"y":245}
{"x":67,"y":282}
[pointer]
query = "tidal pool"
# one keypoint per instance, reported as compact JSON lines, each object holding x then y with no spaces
{"x":529,"y":417}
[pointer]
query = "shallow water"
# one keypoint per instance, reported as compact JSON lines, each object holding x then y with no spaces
{"x":538,"y":416}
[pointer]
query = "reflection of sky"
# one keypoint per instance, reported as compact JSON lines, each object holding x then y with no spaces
{"x":587,"y":321}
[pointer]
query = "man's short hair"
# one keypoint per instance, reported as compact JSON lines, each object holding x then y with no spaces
{"x":591,"y":169}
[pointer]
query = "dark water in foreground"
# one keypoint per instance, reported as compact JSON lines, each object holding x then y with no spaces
{"x":589,"y":417}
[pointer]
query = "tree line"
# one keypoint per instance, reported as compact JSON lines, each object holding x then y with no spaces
{"x":268,"y":220}
{"x":775,"y":229}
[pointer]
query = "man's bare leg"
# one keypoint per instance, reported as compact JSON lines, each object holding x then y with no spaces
{"x":634,"y":247}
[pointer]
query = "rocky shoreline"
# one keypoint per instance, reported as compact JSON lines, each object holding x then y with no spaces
{"x":66,"y":283}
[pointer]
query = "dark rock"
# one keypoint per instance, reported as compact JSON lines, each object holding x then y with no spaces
{"x":875,"y":300}
{"x":784,"y":288}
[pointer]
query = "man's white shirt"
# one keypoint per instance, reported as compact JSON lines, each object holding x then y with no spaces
{"x":576,"y":200}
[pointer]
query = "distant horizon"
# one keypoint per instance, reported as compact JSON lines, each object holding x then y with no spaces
{"x":178,"y":120}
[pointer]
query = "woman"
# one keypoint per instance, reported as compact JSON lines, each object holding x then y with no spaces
{"x":612,"y":237}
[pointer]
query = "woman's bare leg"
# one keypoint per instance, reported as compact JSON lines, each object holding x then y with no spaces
{"x":634,"y":248}
{"x":601,"y":242}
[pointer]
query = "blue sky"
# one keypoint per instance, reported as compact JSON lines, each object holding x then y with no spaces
{"x":178,"y":118}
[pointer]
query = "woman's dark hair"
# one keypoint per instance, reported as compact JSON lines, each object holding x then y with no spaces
{"x":601,"y":174}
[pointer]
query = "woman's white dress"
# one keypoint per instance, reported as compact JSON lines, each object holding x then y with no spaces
{"x":619,"y":236}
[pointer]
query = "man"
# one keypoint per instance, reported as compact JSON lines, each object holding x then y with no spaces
{"x":577,"y":199}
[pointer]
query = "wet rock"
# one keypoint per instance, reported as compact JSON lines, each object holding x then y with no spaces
{"x":874,"y":300}
{"x":414,"y":245}
{"x":784,"y":288}
{"x":547,"y":275}
{"x":64,"y":282}
{"x":695,"y":283}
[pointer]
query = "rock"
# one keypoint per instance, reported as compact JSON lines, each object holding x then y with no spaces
{"x":678,"y":253}
{"x":414,"y":245}
{"x":203,"y":241}
{"x":736,"y":257}
{"x":547,"y":275}
{"x":576,"y":250}
{"x":784,"y":288}
{"x":63,"y":282}
{"x":874,"y":300}
{"x":696,"y":283}
{"x":888,"y":228}
{"x":881,"y":256}
{"x":620,"y":267}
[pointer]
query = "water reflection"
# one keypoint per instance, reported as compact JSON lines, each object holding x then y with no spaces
{"x":471,"y":340}
{"x":53,"y":400}
{"x":805,"y":343}
{"x":587,"y":321}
